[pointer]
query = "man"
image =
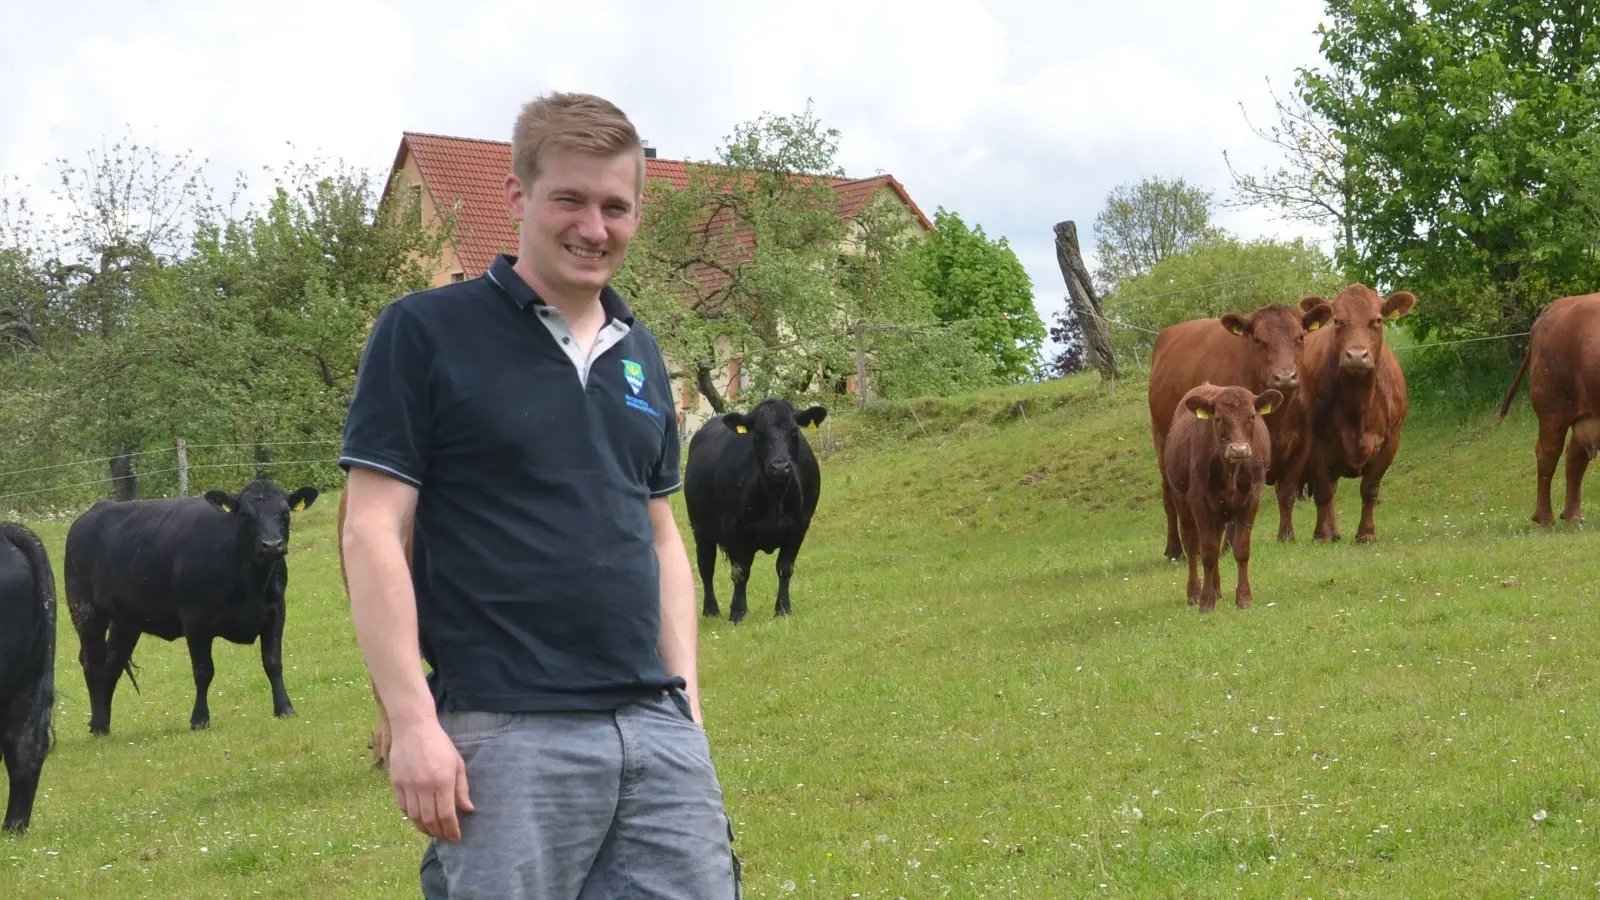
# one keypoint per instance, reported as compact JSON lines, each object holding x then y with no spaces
{"x":522,"y":423}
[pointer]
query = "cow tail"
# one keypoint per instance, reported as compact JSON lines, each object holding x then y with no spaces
{"x":44,"y":594}
{"x":1505,"y":402}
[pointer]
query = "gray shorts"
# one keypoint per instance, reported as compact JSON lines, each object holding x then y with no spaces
{"x":585,"y":806}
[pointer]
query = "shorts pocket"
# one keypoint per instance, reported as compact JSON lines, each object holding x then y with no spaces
{"x":473,"y":726}
{"x":680,"y":699}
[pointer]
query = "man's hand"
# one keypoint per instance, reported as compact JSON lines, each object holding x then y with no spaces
{"x":429,"y":779}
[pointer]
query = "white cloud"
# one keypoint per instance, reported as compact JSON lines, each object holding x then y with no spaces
{"x":1015,"y":114}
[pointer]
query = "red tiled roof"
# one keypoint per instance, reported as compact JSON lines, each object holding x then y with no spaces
{"x":468,"y":174}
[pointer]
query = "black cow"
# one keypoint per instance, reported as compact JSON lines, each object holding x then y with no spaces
{"x":198,"y":568}
{"x":27,"y":666}
{"x":751,"y":485}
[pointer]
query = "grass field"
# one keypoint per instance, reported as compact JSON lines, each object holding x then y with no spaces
{"x":991,"y":687}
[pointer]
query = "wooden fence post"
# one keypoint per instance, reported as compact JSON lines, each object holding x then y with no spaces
{"x":183,"y":468}
{"x":861,"y":365}
{"x":1091,"y":322}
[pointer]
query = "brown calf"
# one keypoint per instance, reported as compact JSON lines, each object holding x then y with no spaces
{"x":1215,"y":462}
{"x":381,"y":736}
{"x":1260,"y":351}
{"x":1563,"y":368}
{"x":1355,"y":393}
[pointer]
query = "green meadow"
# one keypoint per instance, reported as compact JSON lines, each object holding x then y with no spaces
{"x":992,"y":686}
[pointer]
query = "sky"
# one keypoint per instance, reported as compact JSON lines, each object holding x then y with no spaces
{"x":1016,"y":115}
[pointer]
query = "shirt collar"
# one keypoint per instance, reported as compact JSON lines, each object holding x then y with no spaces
{"x":502,"y":274}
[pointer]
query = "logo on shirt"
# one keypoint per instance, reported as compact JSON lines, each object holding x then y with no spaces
{"x":634,"y":373}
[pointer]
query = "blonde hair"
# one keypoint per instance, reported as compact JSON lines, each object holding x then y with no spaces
{"x":583,"y":123}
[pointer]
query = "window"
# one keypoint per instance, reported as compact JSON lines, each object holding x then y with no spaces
{"x":415,"y":207}
{"x":458,"y":276}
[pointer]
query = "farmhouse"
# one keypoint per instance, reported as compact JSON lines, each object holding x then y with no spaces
{"x":467,"y":175}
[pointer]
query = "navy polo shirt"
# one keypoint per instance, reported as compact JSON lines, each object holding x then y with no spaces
{"x":536,"y":578}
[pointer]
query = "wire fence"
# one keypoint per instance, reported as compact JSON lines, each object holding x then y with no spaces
{"x":164,"y":471}
{"x":59,"y":490}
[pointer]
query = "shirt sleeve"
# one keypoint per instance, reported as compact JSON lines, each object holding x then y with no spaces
{"x":389,"y":425}
{"x":665,"y":480}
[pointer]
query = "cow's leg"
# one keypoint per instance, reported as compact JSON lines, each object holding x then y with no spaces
{"x":1286,"y":496}
{"x":25,"y":742}
{"x":1371,"y":480}
{"x":1210,"y":538}
{"x":92,"y":659}
{"x":1241,"y":556}
{"x":272,"y":661}
{"x":1174,"y":540}
{"x":119,"y":658}
{"x":1325,"y":489}
{"x":705,"y":552}
{"x":1577,"y":463}
{"x":1191,"y":547}
{"x":1552,"y":432}
{"x":739,"y":571}
{"x":200,"y":660}
{"x":786,"y":557}
{"x":382,"y":737}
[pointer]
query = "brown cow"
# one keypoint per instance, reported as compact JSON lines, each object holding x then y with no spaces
{"x":1355,"y":392}
{"x":1215,"y":462}
{"x":381,"y":736}
{"x":1260,"y":351}
{"x":1563,"y":368}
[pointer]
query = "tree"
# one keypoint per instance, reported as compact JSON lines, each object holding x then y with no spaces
{"x":980,"y":281}
{"x":1461,"y":122}
{"x":906,"y":335}
{"x":1070,"y":359}
{"x":247,"y":337}
{"x":1312,"y":184}
{"x":1207,"y":280}
{"x":743,"y":253}
{"x":1144,"y":223}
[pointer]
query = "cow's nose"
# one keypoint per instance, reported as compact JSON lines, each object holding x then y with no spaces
{"x":277,"y":546}
{"x":1238,"y":451}
{"x":1285,"y":378}
{"x":1358,"y":356}
{"x":779,"y":467}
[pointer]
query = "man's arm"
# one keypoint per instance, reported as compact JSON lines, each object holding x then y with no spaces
{"x":428,"y":775}
{"x":680,"y":630}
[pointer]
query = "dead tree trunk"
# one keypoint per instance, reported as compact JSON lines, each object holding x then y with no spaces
{"x":1091,"y":321}
{"x":709,"y":389}
{"x":124,"y":480}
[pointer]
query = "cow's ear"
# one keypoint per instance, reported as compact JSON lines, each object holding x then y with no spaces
{"x":1236,"y":323}
{"x":736,"y":421}
{"x":1200,"y":406}
{"x":222,"y":500}
{"x":810,"y":418}
{"x":1309,"y":302}
{"x":1317,"y":316}
{"x":1398,"y":304}
{"x":1268,"y":400}
{"x":302,"y":499}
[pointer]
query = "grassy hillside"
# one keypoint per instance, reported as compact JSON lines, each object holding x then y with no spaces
{"x":991,"y":687}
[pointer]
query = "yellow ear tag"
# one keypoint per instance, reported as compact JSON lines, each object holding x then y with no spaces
{"x":740,"y":428}
{"x":227,"y":507}
{"x":1266,"y":409}
{"x":1313,"y":326}
{"x":299,"y":505}
{"x":1238,"y":331}
{"x":1201,"y":414}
